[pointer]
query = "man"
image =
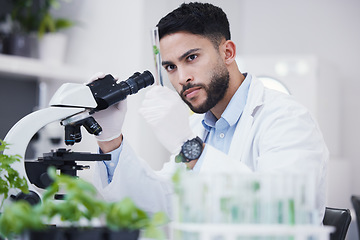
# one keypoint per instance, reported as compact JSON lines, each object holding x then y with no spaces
{"x":238,"y":125}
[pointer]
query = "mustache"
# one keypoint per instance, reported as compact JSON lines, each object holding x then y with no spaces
{"x":190,"y":85}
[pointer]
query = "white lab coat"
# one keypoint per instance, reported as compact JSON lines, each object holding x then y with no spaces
{"x":274,"y":134}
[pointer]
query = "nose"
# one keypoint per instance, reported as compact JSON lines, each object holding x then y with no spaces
{"x":185,"y":77}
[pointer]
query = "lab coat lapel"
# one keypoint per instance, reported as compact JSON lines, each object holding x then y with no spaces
{"x":244,"y":127}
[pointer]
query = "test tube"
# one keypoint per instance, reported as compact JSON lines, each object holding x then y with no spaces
{"x":156,"y":53}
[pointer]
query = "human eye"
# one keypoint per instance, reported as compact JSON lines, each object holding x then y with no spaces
{"x":192,"y":57}
{"x":169,"y":67}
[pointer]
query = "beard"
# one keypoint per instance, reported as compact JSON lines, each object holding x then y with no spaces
{"x":215,"y":90}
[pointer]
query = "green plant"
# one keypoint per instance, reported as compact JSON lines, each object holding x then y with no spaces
{"x":18,"y":217}
{"x":9,"y":177}
{"x":79,"y":203}
{"x":126,"y":215}
{"x":48,"y":22}
{"x":36,"y":16}
{"x":25,"y":16}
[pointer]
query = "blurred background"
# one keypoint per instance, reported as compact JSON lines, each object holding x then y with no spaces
{"x":310,"y":46}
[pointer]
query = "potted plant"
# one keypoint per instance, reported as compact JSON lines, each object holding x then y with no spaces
{"x":52,"y":42}
{"x":18,"y":27}
{"x":78,"y":215}
{"x":9,"y":177}
{"x":50,"y":24}
{"x":30,"y":21}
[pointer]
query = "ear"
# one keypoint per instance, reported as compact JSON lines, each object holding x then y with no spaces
{"x":229,"y":48}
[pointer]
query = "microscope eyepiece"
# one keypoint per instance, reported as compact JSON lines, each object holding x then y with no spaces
{"x":107,"y":91}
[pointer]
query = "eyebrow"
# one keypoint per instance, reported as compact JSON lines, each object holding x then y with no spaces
{"x":181,"y":57}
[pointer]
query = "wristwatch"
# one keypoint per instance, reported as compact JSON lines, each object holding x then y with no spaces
{"x":190,"y":150}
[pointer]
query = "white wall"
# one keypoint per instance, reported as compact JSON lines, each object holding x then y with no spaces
{"x":326,"y":29}
{"x":114,"y":37}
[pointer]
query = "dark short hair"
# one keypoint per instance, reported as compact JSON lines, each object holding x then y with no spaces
{"x":197,"y":18}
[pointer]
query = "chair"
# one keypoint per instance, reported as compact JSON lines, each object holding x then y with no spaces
{"x":338,"y":218}
{"x":355,"y":200}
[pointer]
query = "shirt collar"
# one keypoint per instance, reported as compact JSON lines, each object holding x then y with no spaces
{"x":234,"y":109}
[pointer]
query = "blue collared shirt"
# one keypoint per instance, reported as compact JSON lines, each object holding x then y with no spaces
{"x":220,"y":131}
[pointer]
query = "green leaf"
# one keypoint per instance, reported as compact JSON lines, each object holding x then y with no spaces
{"x":154,"y":233}
{"x":80,"y":202}
{"x":2,"y":145}
{"x":159,"y":218}
{"x":9,"y":177}
{"x":62,"y":23}
{"x":50,"y":192}
{"x":18,"y":217}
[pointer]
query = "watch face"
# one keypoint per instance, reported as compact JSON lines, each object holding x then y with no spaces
{"x":192,"y":149}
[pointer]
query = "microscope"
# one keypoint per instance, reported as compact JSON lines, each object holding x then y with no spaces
{"x":72,"y":106}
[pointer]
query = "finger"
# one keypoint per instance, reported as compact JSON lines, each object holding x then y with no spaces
{"x":116,"y":77}
{"x":97,"y":76}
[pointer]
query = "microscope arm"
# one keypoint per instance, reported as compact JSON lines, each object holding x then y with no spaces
{"x":21,"y":133}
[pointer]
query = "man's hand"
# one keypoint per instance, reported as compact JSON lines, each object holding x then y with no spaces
{"x":110,"y":120}
{"x":168,"y":116}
